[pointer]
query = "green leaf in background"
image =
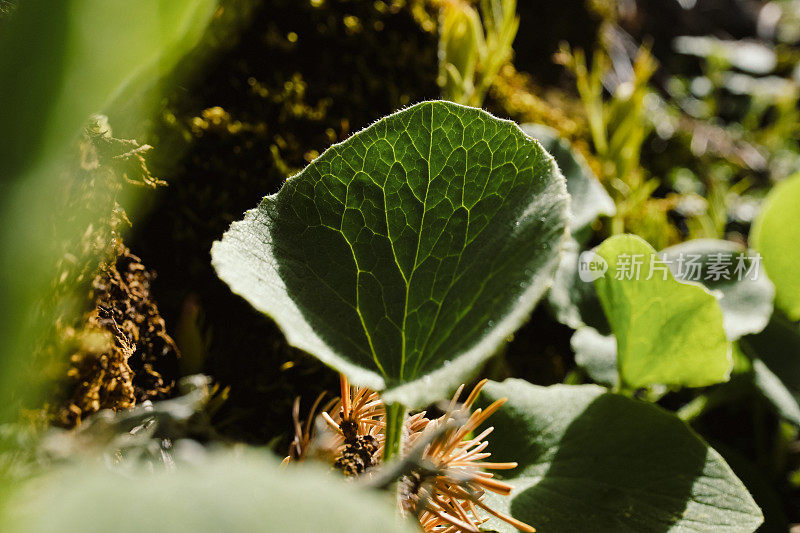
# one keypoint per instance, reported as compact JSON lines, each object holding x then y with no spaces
{"x":747,"y":55}
{"x":573,"y":301}
{"x":745,"y":298}
{"x":775,"y":353}
{"x":460,"y":41}
{"x":594,"y":461}
{"x":596,"y":354}
{"x":588,"y":198}
{"x":226,"y":493}
{"x":667,"y":332}
{"x":776,"y":392}
{"x":746,"y":303}
{"x":776,"y":234}
{"x":405,"y":255}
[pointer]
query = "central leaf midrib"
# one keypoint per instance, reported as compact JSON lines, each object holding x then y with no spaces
{"x":404,"y":344}
{"x":408,"y":279}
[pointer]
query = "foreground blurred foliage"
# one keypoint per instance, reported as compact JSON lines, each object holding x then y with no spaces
{"x":48,"y":200}
{"x":61,"y":192}
{"x":258,"y":496}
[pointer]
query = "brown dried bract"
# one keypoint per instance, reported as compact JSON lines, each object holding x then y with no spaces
{"x":122,"y":346}
{"x":119,"y":350}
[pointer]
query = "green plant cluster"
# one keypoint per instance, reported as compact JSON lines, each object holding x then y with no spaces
{"x":383,"y":226}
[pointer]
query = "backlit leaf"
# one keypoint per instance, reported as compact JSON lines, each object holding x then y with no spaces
{"x":668,"y":332}
{"x":406,"y":255}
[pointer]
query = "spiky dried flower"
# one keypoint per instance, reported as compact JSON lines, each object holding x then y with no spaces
{"x":447,"y":492}
{"x":358,"y":422}
{"x":447,"y":483}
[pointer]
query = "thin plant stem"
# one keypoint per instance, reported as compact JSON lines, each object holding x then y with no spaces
{"x":395,"y":417}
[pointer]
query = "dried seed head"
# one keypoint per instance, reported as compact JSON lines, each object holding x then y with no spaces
{"x":449,"y":495}
{"x":354,"y":437}
{"x":446,"y":485}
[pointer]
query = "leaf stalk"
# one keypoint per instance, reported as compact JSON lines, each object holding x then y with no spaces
{"x":395,"y":417}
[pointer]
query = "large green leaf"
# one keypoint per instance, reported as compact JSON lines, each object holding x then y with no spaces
{"x":775,"y":234}
{"x":594,"y":461}
{"x":225,"y":493}
{"x":728,"y":270}
{"x":405,"y":255}
{"x":667,"y":332}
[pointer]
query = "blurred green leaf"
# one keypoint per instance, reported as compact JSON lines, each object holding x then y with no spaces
{"x":460,"y":41}
{"x":590,"y":460}
{"x":588,"y":198}
{"x":776,"y":392}
{"x":596,"y":354}
{"x":406,"y":255}
{"x":225,"y":493}
{"x":776,"y":234}
{"x":775,"y":353}
{"x":96,"y":50}
{"x":473,"y":47}
{"x":750,"y":56}
{"x":574,"y":302}
{"x":667,"y":332}
{"x":59,"y":63}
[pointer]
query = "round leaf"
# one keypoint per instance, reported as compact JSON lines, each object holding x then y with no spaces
{"x":405,"y":255}
{"x":590,"y":460}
